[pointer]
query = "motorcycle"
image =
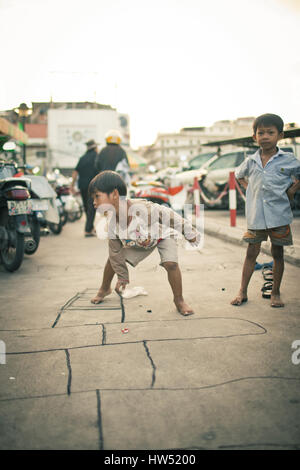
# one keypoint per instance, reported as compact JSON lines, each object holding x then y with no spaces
{"x":47,"y":210}
{"x":171,"y":193}
{"x":15,"y":208}
{"x":152,"y":191}
{"x":72,"y":205}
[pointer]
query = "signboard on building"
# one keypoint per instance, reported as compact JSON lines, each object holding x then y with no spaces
{"x":70,"y":129}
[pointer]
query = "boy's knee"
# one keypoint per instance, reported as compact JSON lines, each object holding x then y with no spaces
{"x":253,"y":251}
{"x":170,"y":265}
{"x":277,"y":252}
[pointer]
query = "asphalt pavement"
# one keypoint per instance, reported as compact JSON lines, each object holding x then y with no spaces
{"x":133,"y":373}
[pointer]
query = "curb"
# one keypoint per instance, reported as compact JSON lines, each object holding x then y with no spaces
{"x":234,"y":235}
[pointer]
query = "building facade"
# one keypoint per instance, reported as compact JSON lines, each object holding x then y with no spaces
{"x":173,"y":149}
{"x":57,"y":131}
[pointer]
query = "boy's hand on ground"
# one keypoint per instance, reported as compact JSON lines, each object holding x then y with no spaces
{"x":121,"y":284}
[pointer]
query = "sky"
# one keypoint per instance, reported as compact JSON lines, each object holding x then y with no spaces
{"x":168,"y":64}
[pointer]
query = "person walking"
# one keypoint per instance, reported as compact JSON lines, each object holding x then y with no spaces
{"x":113,"y":157}
{"x":84,"y":172}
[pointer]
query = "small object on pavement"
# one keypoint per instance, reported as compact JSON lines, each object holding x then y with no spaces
{"x":267,"y":289}
{"x":130,"y":292}
{"x":124,"y":330}
{"x":263,"y":265}
{"x":149,"y":311}
{"x":223,"y":288}
{"x":267,"y":273}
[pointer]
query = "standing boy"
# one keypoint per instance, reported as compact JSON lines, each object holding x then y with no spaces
{"x":136,"y":228}
{"x":270,"y":188}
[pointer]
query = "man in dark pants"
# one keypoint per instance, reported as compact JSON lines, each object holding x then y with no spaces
{"x":85,"y":172}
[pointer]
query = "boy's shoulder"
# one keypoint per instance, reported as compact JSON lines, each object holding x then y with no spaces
{"x":145,"y":202}
{"x":289,"y":158}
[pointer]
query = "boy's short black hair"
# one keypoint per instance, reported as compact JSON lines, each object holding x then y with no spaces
{"x":268,"y":120}
{"x":106,"y":182}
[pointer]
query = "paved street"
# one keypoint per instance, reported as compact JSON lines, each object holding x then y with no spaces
{"x":220,"y":379}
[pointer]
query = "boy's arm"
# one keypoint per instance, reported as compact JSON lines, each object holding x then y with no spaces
{"x":241,"y":174}
{"x":292,"y":190}
{"x":296,"y":177}
{"x":243,"y":182}
{"x":181,"y":225}
{"x":118,"y":263}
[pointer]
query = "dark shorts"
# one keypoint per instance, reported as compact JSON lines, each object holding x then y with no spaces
{"x":281,"y":236}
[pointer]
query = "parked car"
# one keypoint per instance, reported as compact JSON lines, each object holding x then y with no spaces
{"x":214,"y":181}
{"x":200,"y":160}
{"x":218,"y":171}
{"x":198,"y":168}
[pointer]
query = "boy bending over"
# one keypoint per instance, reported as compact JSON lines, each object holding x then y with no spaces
{"x":270,"y":188}
{"x":136,"y":228}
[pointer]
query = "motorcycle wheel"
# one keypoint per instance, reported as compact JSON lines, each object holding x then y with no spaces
{"x":56,"y":228}
{"x":79,"y":213}
{"x":36,"y":235}
{"x":12,"y":256}
{"x":63,"y":216}
{"x":73,"y":216}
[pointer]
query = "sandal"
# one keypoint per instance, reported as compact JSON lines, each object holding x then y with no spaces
{"x":267,"y":274}
{"x":267,"y":290}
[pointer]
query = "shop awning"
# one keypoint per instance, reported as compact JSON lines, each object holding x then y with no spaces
{"x":9,"y":130}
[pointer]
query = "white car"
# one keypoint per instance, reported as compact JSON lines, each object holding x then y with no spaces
{"x":197,"y":168}
{"x":218,"y":172}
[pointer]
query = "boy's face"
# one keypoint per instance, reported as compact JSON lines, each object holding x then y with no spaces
{"x":100,"y":198}
{"x":267,"y":137}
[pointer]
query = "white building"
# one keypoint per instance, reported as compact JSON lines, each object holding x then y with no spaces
{"x":70,"y":129}
{"x":171,"y":149}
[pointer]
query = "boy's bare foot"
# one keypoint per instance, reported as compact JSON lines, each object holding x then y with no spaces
{"x":276,"y":301}
{"x":183,"y":308}
{"x":100,"y":296}
{"x":239,"y":299}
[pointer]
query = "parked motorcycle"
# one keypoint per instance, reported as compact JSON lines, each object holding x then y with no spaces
{"x":172,"y":194}
{"x":14,"y":210}
{"x":73,"y":209}
{"x":72,"y":205}
{"x":46,"y":208}
{"x":152,"y":191}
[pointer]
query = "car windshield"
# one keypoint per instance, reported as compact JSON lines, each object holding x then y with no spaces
{"x":198,"y":161}
{"x":229,"y":160}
